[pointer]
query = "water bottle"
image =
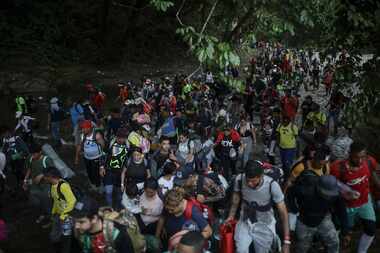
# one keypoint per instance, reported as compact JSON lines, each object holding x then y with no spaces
{"x":67,"y":226}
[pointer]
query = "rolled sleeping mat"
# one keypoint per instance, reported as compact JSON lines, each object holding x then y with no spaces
{"x":66,"y":172}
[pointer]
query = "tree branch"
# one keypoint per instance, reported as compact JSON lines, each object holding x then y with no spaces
{"x":179,"y":11}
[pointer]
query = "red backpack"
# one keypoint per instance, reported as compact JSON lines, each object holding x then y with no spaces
{"x":203,"y":208}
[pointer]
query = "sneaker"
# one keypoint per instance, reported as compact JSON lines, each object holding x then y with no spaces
{"x":40,"y":219}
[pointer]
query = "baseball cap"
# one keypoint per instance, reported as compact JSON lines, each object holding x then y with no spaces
{"x":52,"y":172}
{"x":86,"y":124}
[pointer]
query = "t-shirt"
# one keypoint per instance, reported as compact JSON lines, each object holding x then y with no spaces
{"x":287,"y":135}
{"x":374,"y":166}
{"x":300,"y":167}
{"x":165,"y":184}
{"x":358,"y":180}
{"x":153,"y":208}
{"x":137,"y":172}
{"x":261,"y":196}
{"x":37,"y":166}
{"x":76,"y":112}
{"x":317,"y":118}
{"x":175,"y":224}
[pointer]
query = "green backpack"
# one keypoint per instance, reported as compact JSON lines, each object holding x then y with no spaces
{"x":126,"y":219}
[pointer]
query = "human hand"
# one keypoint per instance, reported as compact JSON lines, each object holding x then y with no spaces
{"x":102,"y":171}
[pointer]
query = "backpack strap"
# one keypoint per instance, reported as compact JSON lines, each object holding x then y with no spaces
{"x":110,"y":233}
{"x":188,"y":214}
{"x":342,"y":169}
{"x":44,"y":162}
{"x":59,"y":192}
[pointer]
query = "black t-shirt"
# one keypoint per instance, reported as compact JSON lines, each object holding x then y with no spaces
{"x":137,"y":172}
{"x":160,"y":159}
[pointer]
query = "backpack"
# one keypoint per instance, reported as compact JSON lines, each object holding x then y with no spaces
{"x":203,"y":208}
{"x":44,"y":165}
{"x":155,"y":172}
{"x":127,"y":221}
{"x":78,"y":193}
{"x":250,"y":211}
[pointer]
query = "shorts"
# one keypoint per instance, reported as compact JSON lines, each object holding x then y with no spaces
{"x":365,"y":212}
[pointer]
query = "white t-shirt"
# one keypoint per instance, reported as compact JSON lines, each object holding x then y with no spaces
{"x":165,"y":184}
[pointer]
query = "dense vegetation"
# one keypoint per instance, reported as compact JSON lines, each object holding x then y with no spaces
{"x":54,"y":32}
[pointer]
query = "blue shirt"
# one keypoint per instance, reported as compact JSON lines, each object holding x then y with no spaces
{"x":175,"y":224}
{"x":76,"y":112}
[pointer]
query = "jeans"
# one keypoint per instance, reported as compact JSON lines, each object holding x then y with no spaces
{"x":326,"y":230}
{"x":39,"y":199}
{"x":55,"y":131}
{"x":112,"y":182}
{"x":92,"y":167}
{"x":287,"y":159}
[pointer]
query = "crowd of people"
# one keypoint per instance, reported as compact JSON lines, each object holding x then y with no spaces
{"x":169,"y":162}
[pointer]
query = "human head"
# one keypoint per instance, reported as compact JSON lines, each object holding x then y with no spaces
{"x":121,"y":135}
{"x":183,"y":136}
{"x":174,"y":199}
{"x":191,"y":242}
{"x":86,"y":126}
{"x":36,"y":151}
{"x":309,"y":99}
{"x":320,"y":157}
{"x":165,"y":144}
{"x":131,"y":190}
{"x":52,"y":175}
{"x":115,"y":112}
{"x":169,"y":168}
{"x":150,"y":187}
{"x":357,"y":153}
{"x":285,"y":120}
{"x":137,"y":155}
{"x":85,"y":216}
{"x":253,"y":173}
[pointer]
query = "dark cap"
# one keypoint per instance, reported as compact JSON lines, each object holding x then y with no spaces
{"x":122,"y":133}
{"x":253,"y":169}
{"x":86,"y":207}
{"x":328,"y":186}
{"x":52,"y":172}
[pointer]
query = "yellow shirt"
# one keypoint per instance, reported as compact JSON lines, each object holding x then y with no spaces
{"x":299,"y":168}
{"x":317,"y":118}
{"x":62,"y":206}
{"x":288,"y":135}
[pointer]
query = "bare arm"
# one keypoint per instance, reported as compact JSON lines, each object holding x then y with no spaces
{"x":77,"y":153}
{"x":160,"y":226}
{"x":283,"y":212}
{"x":234,"y":205}
{"x":123,"y":176}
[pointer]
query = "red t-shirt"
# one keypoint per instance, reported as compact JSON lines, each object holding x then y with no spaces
{"x":289,"y":105}
{"x":357,"y":180}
